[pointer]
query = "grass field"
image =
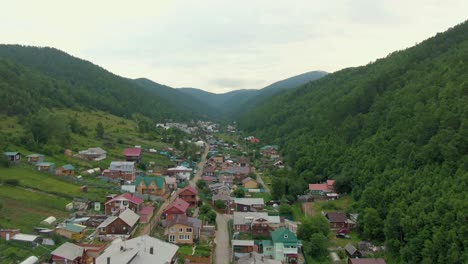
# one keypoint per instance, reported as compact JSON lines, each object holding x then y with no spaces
{"x":14,"y":252}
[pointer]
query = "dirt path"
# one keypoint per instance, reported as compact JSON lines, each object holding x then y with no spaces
{"x":223,"y":250}
{"x":260,"y":180}
{"x":308,"y":209}
{"x":201,"y":164}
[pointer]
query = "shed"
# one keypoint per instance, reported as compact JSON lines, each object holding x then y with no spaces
{"x":30,"y":260}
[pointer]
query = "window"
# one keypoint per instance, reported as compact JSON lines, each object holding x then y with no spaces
{"x":103,"y":229}
{"x":171,"y":238}
{"x":181,"y":230}
{"x":172,"y":230}
{"x":267,"y":249}
{"x":184,"y":237}
{"x":285,"y":236}
{"x":188,"y":230}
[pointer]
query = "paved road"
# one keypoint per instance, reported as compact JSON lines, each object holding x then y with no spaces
{"x":260,"y":180}
{"x":223,"y":250}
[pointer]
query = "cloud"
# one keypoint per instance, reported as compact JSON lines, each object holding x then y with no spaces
{"x":237,"y":83}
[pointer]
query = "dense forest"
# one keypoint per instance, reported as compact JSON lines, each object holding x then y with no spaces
{"x":394,"y":133}
{"x":32,"y":77}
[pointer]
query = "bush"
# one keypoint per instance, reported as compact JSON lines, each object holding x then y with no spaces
{"x":12,"y":182}
{"x":220,"y":204}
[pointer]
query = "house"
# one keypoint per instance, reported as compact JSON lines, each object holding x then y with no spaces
{"x":243,"y":161}
{"x":337,"y":219}
{"x":35,"y":158}
{"x":239,"y":172}
{"x":249,"y":183}
{"x":45,"y":167}
{"x":352,"y":252}
{"x":366,"y":261}
{"x":209,"y":179}
{"x":322,"y":189}
{"x":256,"y":258}
{"x":14,"y":156}
{"x":73,"y":253}
{"x":65,"y":170}
{"x":218,"y":159}
{"x":180,"y":172}
{"x":119,"y":225}
{"x":121,"y":170}
{"x":146,"y":213}
{"x":189,"y":194}
{"x":255,"y":223}
{"x":283,"y":246}
{"x":71,"y":231}
{"x":139,"y":250}
{"x":209,"y":171}
{"x":119,"y":203}
{"x":242,"y":248}
{"x":151,"y":185}
{"x":178,"y":207}
{"x":171,"y":183}
{"x":291,"y":225}
{"x":249,"y":204}
{"x":226,"y":176}
{"x":133,"y":154}
{"x":95,"y":154}
{"x":183,"y":230}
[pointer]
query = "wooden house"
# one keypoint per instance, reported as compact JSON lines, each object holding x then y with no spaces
{"x":352,"y":252}
{"x":178,"y":207}
{"x":249,"y":183}
{"x":119,"y":225}
{"x":35,"y":158}
{"x":337,"y":219}
{"x":13,"y":157}
{"x":151,"y":185}
{"x":120,"y":203}
{"x":133,"y":154}
{"x":71,"y":231}
{"x":45,"y":167}
{"x":65,"y":170}
{"x":189,"y":194}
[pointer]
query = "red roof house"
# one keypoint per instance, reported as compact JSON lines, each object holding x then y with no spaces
{"x":133,"y":154}
{"x":145,"y":214}
{"x":178,"y":207}
{"x":189,"y":194}
{"x":119,"y":203}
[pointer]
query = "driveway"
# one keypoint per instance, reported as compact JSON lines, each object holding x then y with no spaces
{"x":223,"y":250}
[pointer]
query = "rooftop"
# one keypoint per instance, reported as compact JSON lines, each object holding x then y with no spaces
{"x":132,"y":152}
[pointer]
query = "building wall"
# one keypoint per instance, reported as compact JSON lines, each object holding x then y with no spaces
{"x":182,"y":236}
{"x":117,"y":227}
{"x":108,"y":207}
{"x":251,"y":185}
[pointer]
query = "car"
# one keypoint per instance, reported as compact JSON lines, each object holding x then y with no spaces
{"x":343,"y":235}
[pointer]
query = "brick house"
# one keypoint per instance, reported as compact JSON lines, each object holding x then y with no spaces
{"x":189,"y":194}
{"x":183,"y":230}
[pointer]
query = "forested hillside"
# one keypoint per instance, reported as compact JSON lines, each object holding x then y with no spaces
{"x":395,"y":134}
{"x":234,"y":103}
{"x":32,"y":77}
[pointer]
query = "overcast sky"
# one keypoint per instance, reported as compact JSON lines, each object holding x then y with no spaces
{"x":218,"y":45}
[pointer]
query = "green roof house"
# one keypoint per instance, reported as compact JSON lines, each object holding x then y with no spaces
{"x":150,"y":185}
{"x":283,"y":246}
{"x":14,"y":156}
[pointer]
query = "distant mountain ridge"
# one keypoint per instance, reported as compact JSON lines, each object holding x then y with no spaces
{"x":239,"y":101}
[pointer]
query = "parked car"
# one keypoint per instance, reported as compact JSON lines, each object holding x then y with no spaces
{"x":342,"y":235}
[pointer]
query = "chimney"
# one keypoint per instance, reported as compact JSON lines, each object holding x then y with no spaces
{"x":108,"y":260}
{"x":151,"y":250}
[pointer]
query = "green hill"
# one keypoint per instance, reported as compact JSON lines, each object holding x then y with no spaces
{"x":32,"y":77}
{"x":395,"y":134}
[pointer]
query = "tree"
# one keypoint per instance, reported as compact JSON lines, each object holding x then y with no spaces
{"x":201,"y":184}
{"x":372,"y":224}
{"x":99,"y":130}
{"x":313,"y":225}
{"x":317,"y":245}
{"x":239,"y":193}
{"x":220,"y":204}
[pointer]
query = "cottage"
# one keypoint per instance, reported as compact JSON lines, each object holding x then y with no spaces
{"x":249,"y":183}
{"x":14,"y":156}
{"x":283,"y":246}
{"x":189,"y":194}
{"x":133,"y":154}
{"x":35,"y":158}
{"x":72,"y":253}
{"x":239,"y":172}
{"x":142,"y":249}
{"x":352,"y":252}
{"x":209,"y":171}
{"x":121,"y":170}
{"x":178,"y":207}
{"x":183,"y":230}
{"x":120,"y":203}
{"x":255,"y":223}
{"x":337,"y":219}
{"x":65,"y":170}
{"x":324,"y":190}
{"x":71,"y":231}
{"x":241,"y":248}
{"x":95,"y":154}
{"x":45,"y":167}
{"x":249,"y":204}
{"x":151,"y":185}
{"x":121,"y":225}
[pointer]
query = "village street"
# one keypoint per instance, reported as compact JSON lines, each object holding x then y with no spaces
{"x":260,"y":180}
{"x":223,"y":250}
{"x":201,"y":164}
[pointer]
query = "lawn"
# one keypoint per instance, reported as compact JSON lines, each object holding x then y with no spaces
{"x":26,"y":208}
{"x":185,"y":250}
{"x":266,"y":196}
{"x":14,"y":252}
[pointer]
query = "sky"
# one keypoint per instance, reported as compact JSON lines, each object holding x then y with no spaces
{"x":224,"y":45}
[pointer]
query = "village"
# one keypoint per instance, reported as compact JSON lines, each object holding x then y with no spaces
{"x":216,"y":210}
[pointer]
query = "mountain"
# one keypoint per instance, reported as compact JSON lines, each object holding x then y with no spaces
{"x":32,"y":77}
{"x":235,"y":102}
{"x":394,"y":133}
{"x":173,"y":96}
